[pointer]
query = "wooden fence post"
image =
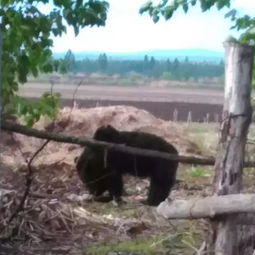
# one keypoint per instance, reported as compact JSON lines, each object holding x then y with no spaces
{"x":1,"y":62}
{"x":1,"y":76}
{"x":189,"y":117}
{"x":207,"y":117}
{"x":175,"y":115}
{"x":237,"y":114}
{"x":216,"y":118}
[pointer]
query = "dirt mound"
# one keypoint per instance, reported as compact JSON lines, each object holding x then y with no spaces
{"x":84,"y":122}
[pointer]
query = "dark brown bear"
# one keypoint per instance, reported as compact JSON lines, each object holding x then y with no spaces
{"x":102,"y":171}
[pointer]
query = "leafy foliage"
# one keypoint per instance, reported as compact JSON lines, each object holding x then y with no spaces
{"x":31,"y":111}
{"x":27,"y":42}
{"x":167,"y":8}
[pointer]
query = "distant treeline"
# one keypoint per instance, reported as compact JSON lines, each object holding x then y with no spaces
{"x":149,"y":66}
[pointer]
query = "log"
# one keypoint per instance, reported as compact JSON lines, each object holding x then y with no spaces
{"x":57,"y":137}
{"x":207,"y":207}
{"x":94,"y":143}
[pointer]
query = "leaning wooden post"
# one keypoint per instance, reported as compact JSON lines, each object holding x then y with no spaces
{"x":237,"y":114}
{"x":1,"y":73}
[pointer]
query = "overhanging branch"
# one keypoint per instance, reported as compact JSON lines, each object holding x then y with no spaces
{"x":94,"y":143}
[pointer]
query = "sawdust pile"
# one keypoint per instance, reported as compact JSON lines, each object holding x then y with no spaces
{"x":84,"y":122}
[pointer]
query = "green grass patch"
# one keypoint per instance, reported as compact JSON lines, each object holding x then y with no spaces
{"x":174,"y":243}
{"x":123,"y":211}
{"x":196,"y":171}
{"x":205,"y":135}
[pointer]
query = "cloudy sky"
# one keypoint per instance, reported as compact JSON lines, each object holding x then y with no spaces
{"x":128,"y":31}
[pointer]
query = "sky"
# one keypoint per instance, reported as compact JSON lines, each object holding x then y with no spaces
{"x":128,"y":31}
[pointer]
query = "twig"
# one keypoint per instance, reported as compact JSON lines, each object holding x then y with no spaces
{"x":202,"y":249}
{"x":190,"y":246}
{"x":73,"y":98}
{"x":28,"y":182}
{"x":170,"y":237}
{"x":67,"y":120}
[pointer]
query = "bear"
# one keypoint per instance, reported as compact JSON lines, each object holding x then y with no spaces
{"x":102,"y":169}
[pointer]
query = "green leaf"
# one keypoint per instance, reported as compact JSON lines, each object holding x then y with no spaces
{"x":145,"y":7}
{"x":193,"y":2}
{"x":206,"y":4}
{"x":34,"y":71}
{"x":231,"y":14}
{"x":48,"y":68}
{"x":222,"y":3}
{"x":185,"y":7}
{"x":155,"y":18}
{"x":168,"y":13}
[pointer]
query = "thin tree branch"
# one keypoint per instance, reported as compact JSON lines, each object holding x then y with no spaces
{"x":28,"y":182}
{"x":73,"y":100}
{"x":74,"y":94}
{"x":97,"y":144}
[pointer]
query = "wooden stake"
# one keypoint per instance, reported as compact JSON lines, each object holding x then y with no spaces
{"x":229,"y":163}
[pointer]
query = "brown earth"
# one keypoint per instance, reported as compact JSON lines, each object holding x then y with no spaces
{"x":198,"y":112}
{"x":199,"y":104}
{"x":130,"y":93}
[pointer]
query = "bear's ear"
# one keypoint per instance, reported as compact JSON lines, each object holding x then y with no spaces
{"x":110,"y":127}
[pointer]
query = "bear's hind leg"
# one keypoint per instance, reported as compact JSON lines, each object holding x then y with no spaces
{"x":115,"y":186}
{"x":158,"y":191}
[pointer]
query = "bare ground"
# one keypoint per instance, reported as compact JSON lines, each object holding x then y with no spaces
{"x":59,"y":217}
{"x":199,"y":105}
{"x":122,"y":93}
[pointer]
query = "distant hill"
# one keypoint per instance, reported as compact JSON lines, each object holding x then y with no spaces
{"x":193,"y":55}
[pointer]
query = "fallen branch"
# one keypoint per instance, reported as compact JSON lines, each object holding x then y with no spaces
{"x":96,"y":144}
{"x":208,"y":207}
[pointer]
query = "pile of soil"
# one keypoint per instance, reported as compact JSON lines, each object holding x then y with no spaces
{"x":84,"y":122}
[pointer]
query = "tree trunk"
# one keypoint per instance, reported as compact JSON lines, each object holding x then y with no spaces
{"x":229,"y":163}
